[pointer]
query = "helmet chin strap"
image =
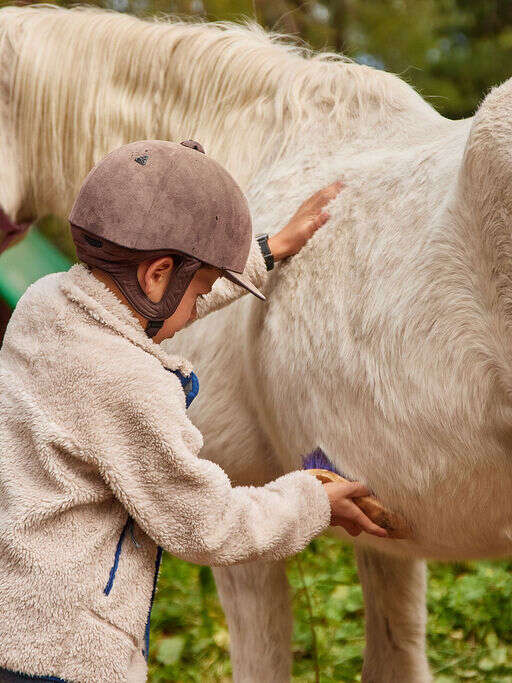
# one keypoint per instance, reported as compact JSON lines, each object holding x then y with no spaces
{"x":153,"y":327}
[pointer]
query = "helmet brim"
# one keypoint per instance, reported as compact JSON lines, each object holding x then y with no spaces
{"x":244,"y":282}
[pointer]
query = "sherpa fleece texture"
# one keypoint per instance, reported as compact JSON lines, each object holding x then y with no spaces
{"x":93,"y":429}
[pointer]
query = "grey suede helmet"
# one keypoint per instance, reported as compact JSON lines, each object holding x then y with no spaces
{"x":152,"y":198}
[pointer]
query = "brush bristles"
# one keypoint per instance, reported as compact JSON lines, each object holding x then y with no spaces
{"x":318,"y":460}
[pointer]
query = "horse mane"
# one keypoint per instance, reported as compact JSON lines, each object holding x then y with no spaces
{"x":87,"y":80}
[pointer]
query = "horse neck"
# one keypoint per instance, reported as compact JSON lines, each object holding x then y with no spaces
{"x":243,"y":95}
{"x":249,"y":99}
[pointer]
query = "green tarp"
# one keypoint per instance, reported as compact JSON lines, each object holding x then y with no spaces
{"x":26,"y":262}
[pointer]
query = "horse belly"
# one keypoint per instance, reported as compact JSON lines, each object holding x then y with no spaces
{"x":454,"y":489}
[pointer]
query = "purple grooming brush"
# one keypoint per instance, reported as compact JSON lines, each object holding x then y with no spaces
{"x":396,"y":525}
{"x":318,"y":460}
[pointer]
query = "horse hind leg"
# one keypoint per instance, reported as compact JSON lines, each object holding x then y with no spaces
{"x":257,"y":606}
{"x":395,"y":592}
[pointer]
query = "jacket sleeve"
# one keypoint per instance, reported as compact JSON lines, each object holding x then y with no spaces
{"x":147,"y":453}
{"x":225,"y":292}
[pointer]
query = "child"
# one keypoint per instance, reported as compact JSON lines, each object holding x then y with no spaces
{"x":99,"y":469}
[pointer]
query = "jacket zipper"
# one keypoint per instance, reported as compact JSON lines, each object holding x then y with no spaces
{"x":114,"y":567}
{"x":145,"y":651}
{"x":190,"y":385}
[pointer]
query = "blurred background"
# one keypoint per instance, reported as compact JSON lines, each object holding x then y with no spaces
{"x":452,"y":52}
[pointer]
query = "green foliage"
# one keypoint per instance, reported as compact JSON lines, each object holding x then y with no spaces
{"x":452,"y":51}
{"x":189,"y":639}
{"x":469,"y":625}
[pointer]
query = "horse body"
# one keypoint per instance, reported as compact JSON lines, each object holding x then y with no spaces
{"x":367,"y":348}
{"x":387,"y":340}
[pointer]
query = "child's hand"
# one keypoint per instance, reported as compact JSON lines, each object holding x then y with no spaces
{"x":345,"y":513}
{"x":304,"y":223}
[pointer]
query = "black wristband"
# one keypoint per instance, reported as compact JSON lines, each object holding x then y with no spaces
{"x":268,"y":257}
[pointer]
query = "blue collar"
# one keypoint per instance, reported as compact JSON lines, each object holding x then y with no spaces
{"x":190,"y":385}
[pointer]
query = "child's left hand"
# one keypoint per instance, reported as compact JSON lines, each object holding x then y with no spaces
{"x":304,"y":223}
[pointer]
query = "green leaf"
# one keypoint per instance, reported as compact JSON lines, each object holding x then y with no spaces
{"x":170,"y":650}
{"x":487,"y":664}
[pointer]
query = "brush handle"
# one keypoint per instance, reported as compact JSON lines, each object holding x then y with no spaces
{"x":395,"y":524}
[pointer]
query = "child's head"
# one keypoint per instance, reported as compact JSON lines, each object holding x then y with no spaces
{"x":159,"y":222}
{"x":154,"y":276}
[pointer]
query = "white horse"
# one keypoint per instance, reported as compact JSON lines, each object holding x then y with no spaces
{"x":387,"y":341}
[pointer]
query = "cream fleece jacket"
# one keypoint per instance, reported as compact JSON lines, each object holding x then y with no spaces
{"x":98,"y":470}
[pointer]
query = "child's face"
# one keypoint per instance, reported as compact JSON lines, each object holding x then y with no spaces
{"x":202,"y":283}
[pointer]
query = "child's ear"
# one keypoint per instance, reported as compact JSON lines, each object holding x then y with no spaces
{"x":156,"y":276}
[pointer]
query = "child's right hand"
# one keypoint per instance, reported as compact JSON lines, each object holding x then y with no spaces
{"x":345,"y":513}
